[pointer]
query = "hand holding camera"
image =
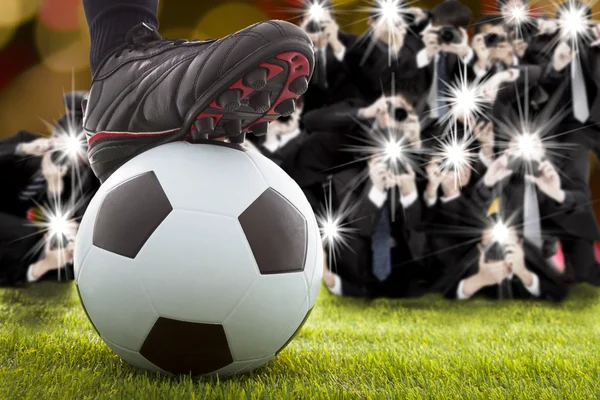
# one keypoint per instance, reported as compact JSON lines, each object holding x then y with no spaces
{"x":548,"y":181}
{"x":563,"y":55}
{"x":497,"y":171}
{"x":53,"y":174}
{"x":404,"y":181}
{"x":36,"y":147}
{"x":492,"y":272}
{"x":454,"y":40}
{"x":378,"y":173}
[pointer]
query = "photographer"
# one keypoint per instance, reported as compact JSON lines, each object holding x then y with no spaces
{"x":492,"y":47}
{"x":50,"y":173}
{"x":530,"y":189}
{"x":503,"y":266}
{"x":383,"y":212}
{"x":332,"y":79}
{"x":446,"y":56}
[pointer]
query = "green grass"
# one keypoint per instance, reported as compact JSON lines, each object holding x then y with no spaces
{"x":406,"y":349}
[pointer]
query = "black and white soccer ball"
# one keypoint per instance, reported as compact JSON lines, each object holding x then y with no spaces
{"x":198,"y":258}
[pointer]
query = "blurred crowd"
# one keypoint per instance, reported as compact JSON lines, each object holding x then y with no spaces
{"x":446,"y":154}
{"x":439,"y":154}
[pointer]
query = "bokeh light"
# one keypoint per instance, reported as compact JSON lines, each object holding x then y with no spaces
{"x":15,"y":12}
{"x":62,"y":15}
{"x":228,"y":18}
{"x":64,"y":50}
{"x":6,"y":34}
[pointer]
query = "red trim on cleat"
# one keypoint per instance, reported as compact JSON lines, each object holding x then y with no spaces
{"x":215,"y":105}
{"x":102,"y":135}
{"x":298,"y":66}
{"x":217,"y":117}
{"x":246,"y":90}
{"x":274,"y":70}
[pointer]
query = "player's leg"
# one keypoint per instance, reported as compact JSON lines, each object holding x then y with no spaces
{"x":109,"y":22}
{"x":150,"y":91}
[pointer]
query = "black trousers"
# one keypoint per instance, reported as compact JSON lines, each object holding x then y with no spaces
{"x":109,"y":22}
{"x":19,"y":248}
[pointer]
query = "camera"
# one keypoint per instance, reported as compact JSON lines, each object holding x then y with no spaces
{"x":449,"y":35}
{"x":314,"y":27}
{"x":520,"y":166}
{"x":492,"y":40}
{"x":495,"y":252}
{"x":399,"y":114}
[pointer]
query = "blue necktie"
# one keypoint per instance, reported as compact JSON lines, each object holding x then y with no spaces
{"x":33,"y":188}
{"x":380,"y":243}
{"x":442,"y":84}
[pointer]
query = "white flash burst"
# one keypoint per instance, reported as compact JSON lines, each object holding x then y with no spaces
{"x":334,"y":226}
{"x":466,"y":101}
{"x":574,"y":23}
{"x":500,"y":232}
{"x":454,"y":155}
{"x":529,"y":146}
{"x":316,"y":11}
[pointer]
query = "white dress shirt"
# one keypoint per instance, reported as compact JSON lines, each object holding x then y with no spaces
{"x":534,"y":288}
{"x":274,"y":143}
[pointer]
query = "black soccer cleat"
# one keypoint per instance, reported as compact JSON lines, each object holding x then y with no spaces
{"x":153,"y":91}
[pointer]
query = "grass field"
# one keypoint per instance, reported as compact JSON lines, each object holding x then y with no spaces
{"x":407,"y":349}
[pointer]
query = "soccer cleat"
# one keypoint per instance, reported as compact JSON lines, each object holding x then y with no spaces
{"x":153,"y":90}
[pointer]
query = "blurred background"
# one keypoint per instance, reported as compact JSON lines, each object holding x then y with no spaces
{"x":44,"y":46}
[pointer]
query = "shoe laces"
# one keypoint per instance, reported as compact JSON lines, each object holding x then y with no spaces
{"x":145,"y":36}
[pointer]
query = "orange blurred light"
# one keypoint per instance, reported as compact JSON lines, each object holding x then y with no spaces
{"x":60,"y":15}
{"x":228,"y":18}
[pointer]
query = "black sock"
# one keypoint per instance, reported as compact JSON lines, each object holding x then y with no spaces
{"x":110,"y":20}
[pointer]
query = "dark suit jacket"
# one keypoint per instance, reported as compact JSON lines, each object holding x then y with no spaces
{"x":374,"y":71}
{"x":337,"y":85}
{"x":552,"y":287}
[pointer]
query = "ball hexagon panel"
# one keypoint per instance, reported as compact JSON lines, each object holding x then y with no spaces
{"x":209,"y":167}
{"x":129,"y":214}
{"x":187,"y":347}
{"x":259,"y":324}
{"x":277,"y":179}
{"x":276,"y":232}
{"x":134,"y":358}
{"x":197,"y":266}
{"x":115,"y":299}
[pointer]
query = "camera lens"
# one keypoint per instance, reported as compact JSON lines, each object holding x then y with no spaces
{"x":313,"y":27}
{"x":400,"y":114}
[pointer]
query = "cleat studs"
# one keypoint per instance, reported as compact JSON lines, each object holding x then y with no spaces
{"x":260,"y":129}
{"x":237,"y":139}
{"x":199,"y":136}
{"x":205,"y":125}
{"x":286,"y":107}
{"x":256,"y":79}
{"x":260,"y":101}
{"x":233,"y":127}
{"x":299,"y":85}
{"x":229,"y":100}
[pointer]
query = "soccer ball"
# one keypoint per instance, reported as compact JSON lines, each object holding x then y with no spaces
{"x":198,"y":259}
